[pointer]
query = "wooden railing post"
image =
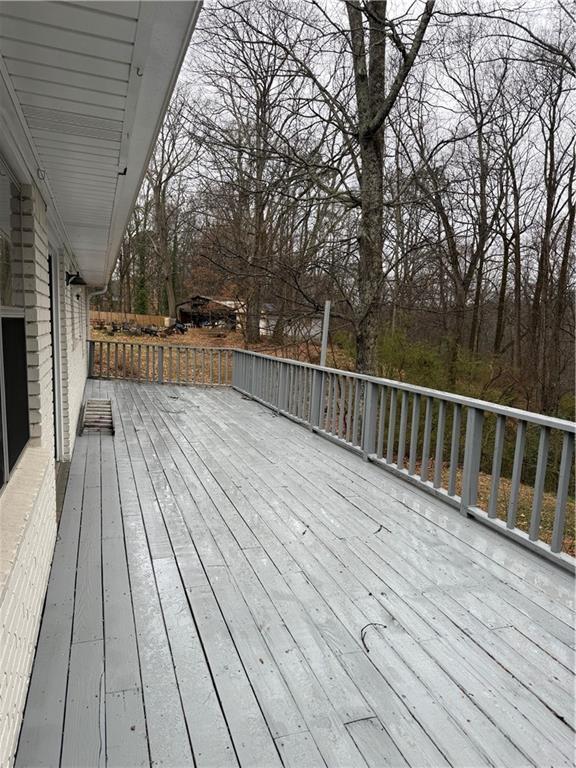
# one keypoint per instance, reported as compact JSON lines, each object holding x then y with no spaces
{"x":562,"y":493}
{"x":316,"y":399}
{"x":90,"y":359}
{"x":369,"y":419}
{"x":235,"y":368}
{"x":282,"y":386}
{"x":160,"y":365}
{"x":472,"y":452}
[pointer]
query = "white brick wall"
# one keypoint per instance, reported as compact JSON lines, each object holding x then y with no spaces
{"x":32,"y":243}
{"x":28,"y":503}
{"x":74,"y":353}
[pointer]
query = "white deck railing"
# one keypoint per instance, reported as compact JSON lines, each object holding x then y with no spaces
{"x":445,"y":444}
{"x":436,"y":440}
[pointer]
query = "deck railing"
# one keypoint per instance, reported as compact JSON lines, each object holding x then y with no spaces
{"x":511,"y":469}
{"x":160,"y":364}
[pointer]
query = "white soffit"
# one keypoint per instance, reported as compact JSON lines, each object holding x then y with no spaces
{"x":91,"y":82}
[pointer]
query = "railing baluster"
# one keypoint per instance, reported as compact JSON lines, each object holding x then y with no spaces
{"x":454,"y":449}
{"x":335,"y":405}
{"x":349,"y":410}
{"x":562,"y":493}
{"x":282,"y":390}
{"x":108,"y":360}
{"x":290,"y":392}
{"x":516,"y":474}
{"x":426,"y":440}
{"x":328,"y":402}
{"x":116,"y":360}
{"x":439,"y":455}
{"x":297,"y":386}
{"x":472,"y":452}
{"x":139,"y":361}
{"x":414,"y":432}
{"x":356,"y":412}
{"x":341,"y":401}
{"x":161,"y":365}
{"x":402,"y":431}
{"x":497,"y":465}
{"x":381,"y":423}
{"x":391,"y":426}
{"x":369,"y":418}
{"x":539,"y":483}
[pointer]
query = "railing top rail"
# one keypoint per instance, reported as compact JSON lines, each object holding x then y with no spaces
{"x":469,"y":402}
{"x":159,"y":344}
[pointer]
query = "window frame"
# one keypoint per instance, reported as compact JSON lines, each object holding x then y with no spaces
{"x":18,"y":312}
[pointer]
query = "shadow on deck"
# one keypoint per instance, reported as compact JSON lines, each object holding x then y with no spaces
{"x":228,"y":588}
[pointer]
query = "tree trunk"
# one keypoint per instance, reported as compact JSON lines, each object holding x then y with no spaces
{"x":253,"y":313}
{"x":163,"y":248}
{"x":370,"y":241}
{"x":499,"y":333}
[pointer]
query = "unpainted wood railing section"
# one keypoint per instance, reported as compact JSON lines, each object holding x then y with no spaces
{"x":160,"y":364}
{"x":443,"y":443}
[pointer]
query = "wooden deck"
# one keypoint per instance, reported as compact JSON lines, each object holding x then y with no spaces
{"x":230,"y":589}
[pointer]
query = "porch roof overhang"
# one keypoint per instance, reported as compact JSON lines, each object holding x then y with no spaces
{"x":83,"y":90}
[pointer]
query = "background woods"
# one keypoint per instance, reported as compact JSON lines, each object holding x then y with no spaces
{"x":416,"y":167}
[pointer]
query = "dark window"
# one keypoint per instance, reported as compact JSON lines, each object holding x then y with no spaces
{"x":1,"y":449}
{"x":14,"y":419}
{"x":15,"y":386}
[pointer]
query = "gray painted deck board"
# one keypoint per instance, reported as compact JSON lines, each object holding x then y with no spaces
{"x":41,"y":733}
{"x":126,"y":740}
{"x":215,"y":572}
{"x":375,"y":743}
{"x":84,"y":740}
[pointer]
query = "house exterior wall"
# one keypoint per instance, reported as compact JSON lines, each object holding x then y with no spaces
{"x":74,"y":352}
{"x":28,"y":503}
{"x":31,"y":499}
